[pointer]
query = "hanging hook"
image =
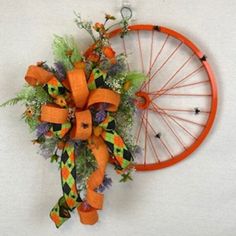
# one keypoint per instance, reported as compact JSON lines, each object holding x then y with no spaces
{"x":126,"y":13}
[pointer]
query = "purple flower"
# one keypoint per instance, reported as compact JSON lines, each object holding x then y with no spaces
{"x":100,"y":116}
{"x":137,"y":149}
{"x":42,"y":129}
{"x":116,"y":69}
{"x":85,"y":206}
{"x":107,"y":182}
{"x":45,"y":152}
{"x":60,"y":71}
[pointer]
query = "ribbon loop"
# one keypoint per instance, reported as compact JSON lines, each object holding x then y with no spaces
{"x":53,"y":114}
{"x":102,"y":95}
{"x":36,"y":75}
{"x":78,"y":85}
{"x":83,"y":127}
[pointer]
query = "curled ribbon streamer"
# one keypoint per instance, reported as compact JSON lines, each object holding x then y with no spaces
{"x":84,"y":96}
{"x":94,"y":199}
{"x":99,"y":150}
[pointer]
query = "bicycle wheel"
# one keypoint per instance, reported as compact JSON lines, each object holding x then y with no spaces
{"x":177,"y":104}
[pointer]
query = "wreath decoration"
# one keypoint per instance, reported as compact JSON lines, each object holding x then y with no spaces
{"x":81,"y":110}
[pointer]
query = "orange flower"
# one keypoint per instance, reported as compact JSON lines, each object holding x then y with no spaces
{"x":29,"y":112}
{"x":93,"y":57}
{"x":90,"y":50}
{"x":99,"y":27}
{"x":113,"y":60}
{"x":108,"y":52}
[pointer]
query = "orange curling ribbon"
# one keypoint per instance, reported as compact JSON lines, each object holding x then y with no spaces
{"x":94,"y":199}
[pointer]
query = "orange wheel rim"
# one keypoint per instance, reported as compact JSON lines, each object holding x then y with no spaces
{"x":166,"y":115}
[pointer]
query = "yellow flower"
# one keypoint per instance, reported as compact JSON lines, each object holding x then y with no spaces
{"x":127,"y":85}
{"x":60,"y":101}
{"x":29,"y":112}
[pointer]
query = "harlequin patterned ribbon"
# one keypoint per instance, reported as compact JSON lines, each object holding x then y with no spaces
{"x":70,"y":199}
{"x":115,"y":143}
{"x":108,"y":141}
{"x":96,"y":79}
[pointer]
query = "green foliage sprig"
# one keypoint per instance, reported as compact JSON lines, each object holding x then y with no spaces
{"x":86,"y":164}
{"x":66,"y":51}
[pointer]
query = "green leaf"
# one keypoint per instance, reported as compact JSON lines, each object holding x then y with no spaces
{"x":11,"y":102}
{"x":54,"y":157}
{"x":62,"y":45}
{"x":86,"y":164}
{"x":126,"y":177}
{"x":136,"y":79}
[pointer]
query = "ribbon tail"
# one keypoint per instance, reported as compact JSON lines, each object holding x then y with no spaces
{"x":93,"y":198}
{"x":118,"y":148}
{"x":60,"y":212}
{"x":70,"y":199}
{"x":115,"y":144}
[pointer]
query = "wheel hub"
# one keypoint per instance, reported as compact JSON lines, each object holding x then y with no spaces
{"x":143,"y":100}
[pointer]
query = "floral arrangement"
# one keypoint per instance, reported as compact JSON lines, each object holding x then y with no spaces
{"x":81,"y":110}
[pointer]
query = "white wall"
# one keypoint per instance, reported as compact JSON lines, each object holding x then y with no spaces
{"x":196,"y":197}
